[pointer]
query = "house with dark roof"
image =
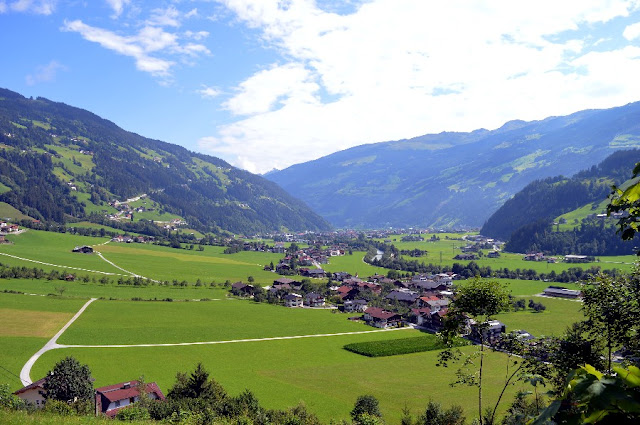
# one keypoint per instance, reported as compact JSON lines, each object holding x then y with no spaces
{"x":355,"y":305}
{"x":403,"y":297}
{"x":314,"y":300}
{"x":380,"y":318}
{"x":242,"y":289}
{"x":314,"y":273}
{"x":83,"y":249}
{"x":293,"y":300}
{"x":113,"y":398}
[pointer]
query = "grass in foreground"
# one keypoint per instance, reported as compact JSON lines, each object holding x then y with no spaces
{"x":395,"y":347}
{"x":318,"y":371}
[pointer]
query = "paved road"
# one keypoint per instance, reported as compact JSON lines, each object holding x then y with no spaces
{"x":25,"y":373}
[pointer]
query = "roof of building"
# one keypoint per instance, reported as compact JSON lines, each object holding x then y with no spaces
{"x":126,"y":390}
{"x":378,"y":313}
{"x":37,"y":384}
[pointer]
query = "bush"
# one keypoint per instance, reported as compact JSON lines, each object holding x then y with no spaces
{"x":133,"y":413}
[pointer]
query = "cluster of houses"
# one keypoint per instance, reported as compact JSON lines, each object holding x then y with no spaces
{"x":6,"y":228}
{"x":108,"y":400}
{"x":132,"y":239}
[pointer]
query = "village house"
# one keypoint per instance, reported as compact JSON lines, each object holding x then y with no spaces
{"x":355,"y":305}
{"x":534,"y":256}
{"x":242,"y":289}
{"x":380,"y":318}
{"x":493,"y":254}
{"x":33,"y":393}
{"x":83,"y":249}
{"x":421,"y":316}
{"x":407,"y":298}
{"x":293,"y":300}
{"x":314,"y":300}
{"x":313,"y":273}
{"x":492,"y":331}
{"x":113,"y":398}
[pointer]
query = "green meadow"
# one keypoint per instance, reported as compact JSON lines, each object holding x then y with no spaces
{"x":90,"y":289}
{"x":200,"y":321}
{"x":318,"y":371}
{"x":26,"y":323}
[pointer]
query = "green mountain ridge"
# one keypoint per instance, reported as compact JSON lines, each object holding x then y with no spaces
{"x":560,"y":215}
{"x":60,"y":163}
{"x":455,"y":179}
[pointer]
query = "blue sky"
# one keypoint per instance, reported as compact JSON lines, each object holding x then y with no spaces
{"x":266,"y":84}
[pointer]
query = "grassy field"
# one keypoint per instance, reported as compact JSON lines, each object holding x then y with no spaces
{"x":442,"y":253}
{"x":121,"y":292}
{"x":26,"y":324}
{"x":200,"y":321}
{"x":53,"y":248}
{"x":7,"y":211}
{"x":284,"y":372}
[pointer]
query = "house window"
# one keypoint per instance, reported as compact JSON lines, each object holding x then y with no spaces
{"x":117,"y":403}
{"x":132,"y":400}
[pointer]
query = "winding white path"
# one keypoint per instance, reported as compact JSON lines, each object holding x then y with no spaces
{"x":52,"y":344}
{"x":182,"y":344}
{"x":25,"y":373}
{"x":63,"y":267}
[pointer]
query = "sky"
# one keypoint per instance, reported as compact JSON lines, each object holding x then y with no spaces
{"x":265,"y":84}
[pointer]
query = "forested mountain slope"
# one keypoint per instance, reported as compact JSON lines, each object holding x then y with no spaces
{"x":553,"y":196}
{"x":455,"y":178}
{"x":526,"y":219}
{"x":61,"y":163}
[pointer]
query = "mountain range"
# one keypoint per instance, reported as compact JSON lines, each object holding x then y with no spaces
{"x":455,"y":179}
{"x":60,"y":163}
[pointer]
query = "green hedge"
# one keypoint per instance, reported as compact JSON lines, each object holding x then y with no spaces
{"x":399,"y":346}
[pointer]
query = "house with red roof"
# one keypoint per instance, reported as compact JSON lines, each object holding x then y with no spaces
{"x":380,"y":318}
{"x":113,"y":398}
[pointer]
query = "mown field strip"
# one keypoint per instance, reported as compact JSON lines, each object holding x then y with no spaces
{"x":179,"y":344}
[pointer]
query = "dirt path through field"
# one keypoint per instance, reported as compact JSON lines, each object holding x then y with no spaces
{"x":25,"y":373}
{"x":275,"y":338}
{"x":63,"y":267}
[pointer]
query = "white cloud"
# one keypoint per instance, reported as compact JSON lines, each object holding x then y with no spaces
{"x":398,"y":69}
{"x":117,"y":6}
{"x":40,"y":7}
{"x":632,"y":32}
{"x":209,"y":92}
{"x":45,"y":73}
{"x":169,"y":17}
{"x":196,"y":35}
{"x":146,"y":47}
{"x":264,"y":89}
